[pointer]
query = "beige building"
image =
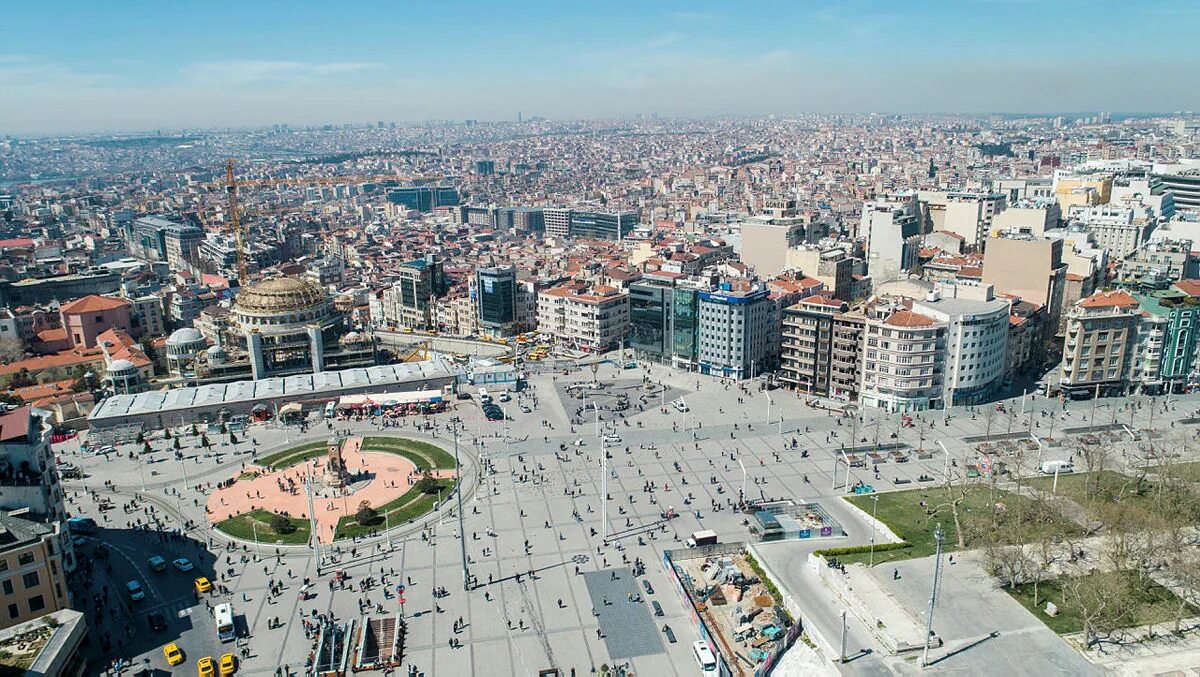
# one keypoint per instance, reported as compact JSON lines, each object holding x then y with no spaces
{"x":1099,"y":351}
{"x":32,"y":577}
{"x":558,"y":221}
{"x":833,"y":267}
{"x":1081,"y":190}
{"x":1029,"y":217}
{"x":1031,"y":268}
{"x":967,"y":214}
{"x":765,"y":244}
{"x":595,"y":319}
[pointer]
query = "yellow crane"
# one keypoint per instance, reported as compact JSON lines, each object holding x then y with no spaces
{"x":232,"y":184}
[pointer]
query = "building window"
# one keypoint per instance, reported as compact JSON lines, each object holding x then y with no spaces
{"x":8,"y":587}
{"x":31,"y":580}
{"x":36,"y":603}
{"x":25,"y":558}
{"x":13,"y":612}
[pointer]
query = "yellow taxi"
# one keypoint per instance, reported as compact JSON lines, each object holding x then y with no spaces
{"x":205,"y":667}
{"x":227,"y":665}
{"x":203,"y":585}
{"x":172,"y":653}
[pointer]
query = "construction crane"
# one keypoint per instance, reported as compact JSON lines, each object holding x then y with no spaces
{"x":232,"y":184}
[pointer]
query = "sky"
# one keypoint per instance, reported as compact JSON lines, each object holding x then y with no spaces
{"x":69,"y":66}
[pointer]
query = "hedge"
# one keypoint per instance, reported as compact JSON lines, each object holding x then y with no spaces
{"x":857,"y":549}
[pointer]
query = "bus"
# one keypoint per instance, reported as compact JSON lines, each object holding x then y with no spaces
{"x":223,"y":613}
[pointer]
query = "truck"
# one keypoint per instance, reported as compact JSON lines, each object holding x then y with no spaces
{"x":706,"y":537}
{"x":1053,"y":467}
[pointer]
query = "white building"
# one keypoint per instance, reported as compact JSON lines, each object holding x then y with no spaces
{"x":892,"y":229}
{"x":976,"y":339}
{"x":902,"y":363}
{"x":595,"y":319}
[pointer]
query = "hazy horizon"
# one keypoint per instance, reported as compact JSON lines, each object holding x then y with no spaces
{"x":89,"y":68}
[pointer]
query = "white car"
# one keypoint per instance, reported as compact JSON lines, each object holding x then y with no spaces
{"x":612,"y":439}
{"x":680,"y":405}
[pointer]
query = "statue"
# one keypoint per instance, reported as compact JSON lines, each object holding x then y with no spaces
{"x":335,"y":467}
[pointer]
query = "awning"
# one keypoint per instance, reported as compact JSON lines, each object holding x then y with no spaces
{"x":291,"y":408}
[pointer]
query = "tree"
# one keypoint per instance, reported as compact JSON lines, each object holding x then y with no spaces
{"x":204,"y":441}
{"x":177,"y":445}
{"x":282,"y":525}
{"x":366,"y":515}
{"x":233,"y":438}
{"x":427,"y":484}
{"x":1100,"y":602}
{"x":146,"y":449}
{"x":11,"y":350}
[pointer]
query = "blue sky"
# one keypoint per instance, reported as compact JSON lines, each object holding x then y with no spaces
{"x":68,"y":66}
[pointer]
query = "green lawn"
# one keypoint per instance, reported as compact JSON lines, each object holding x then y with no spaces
{"x":1096,"y":493}
{"x":425,"y":455}
{"x":1150,"y":602}
{"x":902,"y":512}
{"x":1188,"y":472}
{"x":410,"y":506}
{"x":243,"y":527}
{"x":290,"y":457}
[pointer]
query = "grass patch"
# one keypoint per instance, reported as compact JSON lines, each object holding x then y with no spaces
{"x":290,"y":457}
{"x":426,"y":456}
{"x":245,"y":525}
{"x":411,"y":505}
{"x":1144,"y":601}
{"x":903,"y":513}
{"x":1188,"y":472}
{"x":1101,"y":494}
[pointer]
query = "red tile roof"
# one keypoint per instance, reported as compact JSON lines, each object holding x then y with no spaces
{"x":907,"y":318}
{"x":15,"y":424}
{"x":1189,"y":287}
{"x":1118,"y":298}
{"x":93,"y":303}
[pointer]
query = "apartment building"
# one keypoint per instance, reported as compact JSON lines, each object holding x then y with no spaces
{"x":411,"y":300}
{"x":1101,"y":343}
{"x":766,"y":241}
{"x":969,"y":215}
{"x":903,"y":357}
{"x":1175,"y":316}
{"x":1030,"y":268}
{"x":892,"y":230}
{"x":1156,"y":264}
{"x":1120,"y":230}
{"x":806,"y":351}
{"x":1029,"y":217}
{"x":32,"y":576}
{"x":594,"y":320}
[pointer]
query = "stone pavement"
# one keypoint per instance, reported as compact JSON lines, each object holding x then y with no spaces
{"x":625,"y":622}
{"x":525,"y":490}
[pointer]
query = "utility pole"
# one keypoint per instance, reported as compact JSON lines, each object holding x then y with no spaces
{"x":313,"y":529}
{"x":938,"y":536}
{"x":604,"y":494}
{"x":843,"y":656}
{"x":462,"y":534}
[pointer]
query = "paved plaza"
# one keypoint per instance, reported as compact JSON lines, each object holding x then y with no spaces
{"x":533,"y":534}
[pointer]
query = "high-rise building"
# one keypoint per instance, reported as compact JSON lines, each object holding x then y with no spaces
{"x":411,"y":300}
{"x":737,"y":332}
{"x":557,"y":221}
{"x":603,"y":225}
{"x":424,"y":198}
{"x":1030,"y":268}
{"x":485,"y":167}
{"x":892,"y":229}
{"x":495,"y":292}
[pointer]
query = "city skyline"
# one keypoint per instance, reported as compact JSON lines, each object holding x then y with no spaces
{"x":87,"y":68}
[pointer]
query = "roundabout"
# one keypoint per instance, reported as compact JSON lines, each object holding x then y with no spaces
{"x":353,"y":486}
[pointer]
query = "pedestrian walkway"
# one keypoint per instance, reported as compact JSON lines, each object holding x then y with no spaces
{"x":627,"y":628}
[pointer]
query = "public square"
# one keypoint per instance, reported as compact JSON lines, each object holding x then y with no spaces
{"x":549,"y":592}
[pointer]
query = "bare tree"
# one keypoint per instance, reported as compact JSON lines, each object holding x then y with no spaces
{"x":11,"y":350}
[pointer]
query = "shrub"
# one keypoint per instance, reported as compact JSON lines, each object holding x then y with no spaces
{"x":366,"y":515}
{"x":857,"y":549}
{"x":427,"y":485}
{"x":282,"y":525}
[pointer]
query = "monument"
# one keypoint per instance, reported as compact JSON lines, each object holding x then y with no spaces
{"x":336,"y":476}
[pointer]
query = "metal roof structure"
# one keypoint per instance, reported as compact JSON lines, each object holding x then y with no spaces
{"x":245,"y":394}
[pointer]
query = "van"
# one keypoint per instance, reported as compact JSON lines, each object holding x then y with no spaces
{"x":330,"y":409}
{"x":484,"y":396}
{"x":704,"y":656}
{"x":1052,"y":467}
{"x":706,"y":537}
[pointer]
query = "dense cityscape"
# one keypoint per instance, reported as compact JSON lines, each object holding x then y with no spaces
{"x":819,"y":393}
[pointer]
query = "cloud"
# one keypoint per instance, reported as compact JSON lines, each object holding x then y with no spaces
{"x":241,"y":73}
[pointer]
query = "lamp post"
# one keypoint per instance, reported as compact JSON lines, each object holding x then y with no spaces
{"x":938,"y":536}
{"x":462,"y":534}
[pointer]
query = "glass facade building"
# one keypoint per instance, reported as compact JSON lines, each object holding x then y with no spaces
{"x":496,"y":299}
{"x":424,"y":198}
